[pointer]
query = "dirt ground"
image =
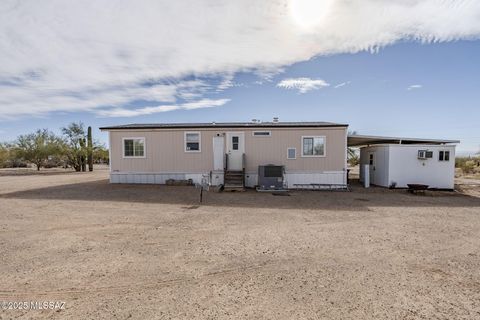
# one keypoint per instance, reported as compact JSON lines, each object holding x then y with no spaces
{"x":153,"y":252}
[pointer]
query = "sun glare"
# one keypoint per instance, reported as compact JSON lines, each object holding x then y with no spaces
{"x":309,"y":13}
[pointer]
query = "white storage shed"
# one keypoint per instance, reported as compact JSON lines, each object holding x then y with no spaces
{"x":396,"y":162}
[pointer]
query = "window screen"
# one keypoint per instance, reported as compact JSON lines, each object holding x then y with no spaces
{"x":235,"y":140}
{"x":291,"y":153}
{"x":313,"y":146}
{"x":444,"y":156}
{"x":192,"y":141}
{"x":138,"y":148}
{"x":133,"y":147}
{"x":128,"y":148}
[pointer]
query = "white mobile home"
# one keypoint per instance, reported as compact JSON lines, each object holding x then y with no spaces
{"x":397,"y":162}
{"x":309,"y":152}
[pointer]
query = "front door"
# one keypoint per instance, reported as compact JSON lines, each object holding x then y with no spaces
{"x":372,"y":163}
{"x":235,"y":150}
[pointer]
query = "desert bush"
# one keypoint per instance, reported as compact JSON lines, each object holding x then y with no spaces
{"x":468,"y":167}
{"x":4,"y":155}
{"x":55,"y":161}
{"x":37,"y":147}
{"x":466,"y":164}
{"x":100,"y":154}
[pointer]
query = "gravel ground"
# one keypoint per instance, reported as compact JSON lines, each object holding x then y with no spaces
{"x":154,"y":252}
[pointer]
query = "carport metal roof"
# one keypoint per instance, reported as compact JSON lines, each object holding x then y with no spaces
{"x":356,"y":140}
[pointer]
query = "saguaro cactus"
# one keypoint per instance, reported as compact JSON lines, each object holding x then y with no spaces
{"x":90,"y":149}
{"x":83,"y":160}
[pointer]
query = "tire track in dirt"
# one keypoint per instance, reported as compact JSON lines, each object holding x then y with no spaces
{"x":9,"y":293}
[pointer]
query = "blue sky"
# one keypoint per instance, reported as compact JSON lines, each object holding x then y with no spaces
{"x":375,"y":99}
{"x":413,"y":76}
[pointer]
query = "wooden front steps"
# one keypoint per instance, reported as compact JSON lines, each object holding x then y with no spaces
{"x":234,"y":181}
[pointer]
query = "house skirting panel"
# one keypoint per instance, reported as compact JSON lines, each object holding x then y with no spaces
{"x":325,"y":177}
{"x":292,"y":178}
{"x":217,"y":178}
{"x":152,"y":178}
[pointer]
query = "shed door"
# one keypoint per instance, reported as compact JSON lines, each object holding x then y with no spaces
{"x":235,"y":150}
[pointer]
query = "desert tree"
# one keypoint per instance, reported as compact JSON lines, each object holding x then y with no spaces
{"x":37,"y":147}
{"x":79,"y":146}
{"x":74,"y":145}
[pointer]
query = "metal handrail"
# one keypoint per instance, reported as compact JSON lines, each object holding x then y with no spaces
{"x":243,"y":169}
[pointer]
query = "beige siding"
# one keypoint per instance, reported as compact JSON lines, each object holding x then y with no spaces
{"x":273,"y":150}
{"x":165,"y":151}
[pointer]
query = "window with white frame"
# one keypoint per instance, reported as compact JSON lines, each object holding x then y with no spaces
{"x":134,"y":147}
{"x":192,"y":141}
{"x":262,"y":133}
{"x":313,"y":146}
{"x":291,"y":153}
{"x":444,"y":156}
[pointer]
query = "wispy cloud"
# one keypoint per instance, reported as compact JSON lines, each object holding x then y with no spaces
{"x":228,"y":82}
{"x":343,"y":84}
{"x":303,"y":85}
{"x":414,"y":87}
{"x":122,"y":112}
{"x":89,"y":55}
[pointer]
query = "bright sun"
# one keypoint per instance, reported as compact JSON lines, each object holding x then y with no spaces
{"x":309,"y":13}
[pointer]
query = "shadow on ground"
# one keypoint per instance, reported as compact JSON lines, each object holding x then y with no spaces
{"x":357,"y":199}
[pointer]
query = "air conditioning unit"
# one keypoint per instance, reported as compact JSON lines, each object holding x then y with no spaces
{"x":425,"y":154}
{"x":270,"y":177}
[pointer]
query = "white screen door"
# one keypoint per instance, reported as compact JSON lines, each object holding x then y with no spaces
{"x":218,"y":152}
{"x":235,"y":150}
